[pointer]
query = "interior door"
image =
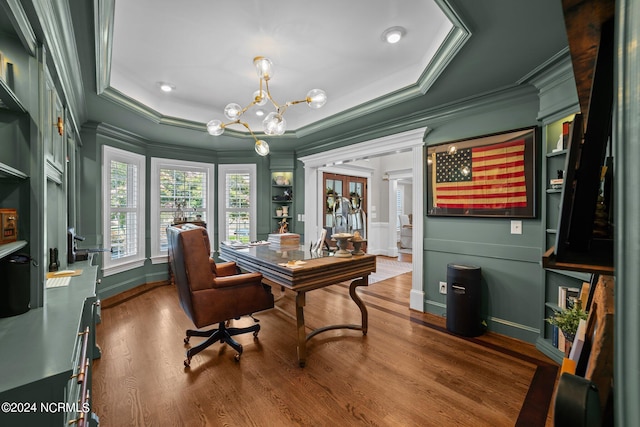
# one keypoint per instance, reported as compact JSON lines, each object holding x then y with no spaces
{"x":345,"y":203}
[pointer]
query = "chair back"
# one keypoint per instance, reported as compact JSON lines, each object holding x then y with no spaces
{"x":189,"y":259}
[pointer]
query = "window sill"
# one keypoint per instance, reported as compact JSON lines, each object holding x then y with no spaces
{"x":120,"y":268}
{"x":160,"y":259}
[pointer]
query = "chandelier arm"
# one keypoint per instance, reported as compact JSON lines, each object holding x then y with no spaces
{"x":238,"y":122}
{"x":298,"y":102}
{"x":249,"y":129}
{"x":254,"y":102}
{"x":266,"y":86}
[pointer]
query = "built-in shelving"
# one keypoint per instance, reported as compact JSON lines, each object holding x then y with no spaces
{"x":7,"y":171}
{"x":553,"y":278}
{"x":9,"y":248}
{"x":282,"y":199}
{"x":9,"y":99}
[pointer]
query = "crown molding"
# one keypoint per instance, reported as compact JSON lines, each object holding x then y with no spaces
{"x":453,"y":43}
{"x":455,"y":40}
{"x":103,"y":16}
{"x":18,"y":18}
{"x":556,"y":86}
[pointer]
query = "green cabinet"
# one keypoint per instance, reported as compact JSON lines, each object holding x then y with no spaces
{"x":47,"y":354}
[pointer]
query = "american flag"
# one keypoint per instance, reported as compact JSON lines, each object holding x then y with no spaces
{"x":486,"y":177}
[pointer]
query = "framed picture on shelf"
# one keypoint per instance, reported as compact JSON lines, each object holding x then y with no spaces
{"x":486,"y":176}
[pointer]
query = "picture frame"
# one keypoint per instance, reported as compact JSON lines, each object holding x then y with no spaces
{"x":486,"y":176}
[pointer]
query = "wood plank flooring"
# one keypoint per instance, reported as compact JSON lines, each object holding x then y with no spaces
{"x":407,"y":371}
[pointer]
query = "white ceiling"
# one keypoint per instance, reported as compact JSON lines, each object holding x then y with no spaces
{"x":205,"y":49}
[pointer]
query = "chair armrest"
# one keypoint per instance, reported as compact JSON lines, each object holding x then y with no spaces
{"x":226,"y":268}
{"x":237,"y":280}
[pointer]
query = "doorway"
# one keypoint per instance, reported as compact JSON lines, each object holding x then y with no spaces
{"x":345,"y":201}
{"x":316,"y":164}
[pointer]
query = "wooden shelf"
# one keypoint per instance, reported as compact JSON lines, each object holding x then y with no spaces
{"x":583,"y":262}
{"x":585,"y":277}
{"x":557,"y":153}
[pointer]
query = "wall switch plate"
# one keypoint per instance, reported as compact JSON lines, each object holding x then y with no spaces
{"x":516,"y":227}
{"x":443,"y":287}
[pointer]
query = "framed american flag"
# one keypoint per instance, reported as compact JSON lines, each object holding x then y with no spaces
{"x":487,"y":176}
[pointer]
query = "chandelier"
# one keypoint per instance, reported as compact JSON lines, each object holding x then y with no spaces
{"x":274,"y":123}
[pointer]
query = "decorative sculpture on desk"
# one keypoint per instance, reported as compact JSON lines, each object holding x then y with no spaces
{"x":357,"y":242}
{"x":342,"y":240}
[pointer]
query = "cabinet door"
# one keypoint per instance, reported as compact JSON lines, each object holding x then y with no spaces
{"x":53,"y":128}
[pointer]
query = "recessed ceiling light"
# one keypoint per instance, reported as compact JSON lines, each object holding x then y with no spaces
{"x":166,"y":87}
{"x":259,"y":113}
{"x":393,"y":35}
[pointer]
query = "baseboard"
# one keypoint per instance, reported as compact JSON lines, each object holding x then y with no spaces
{"x":130,"y":293}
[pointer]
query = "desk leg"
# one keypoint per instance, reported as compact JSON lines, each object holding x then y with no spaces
{"x":302,"y":336}
{"x":354,"y":296}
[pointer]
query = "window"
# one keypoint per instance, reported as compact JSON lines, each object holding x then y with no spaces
{"x":123,"y":209}
{"x":178,"y":188}
{"x":237,"y":212}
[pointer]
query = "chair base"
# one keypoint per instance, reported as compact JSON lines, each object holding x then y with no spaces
{"x":222,"y":334}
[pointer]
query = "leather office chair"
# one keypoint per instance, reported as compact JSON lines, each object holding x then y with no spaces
{"x":213,"y":293}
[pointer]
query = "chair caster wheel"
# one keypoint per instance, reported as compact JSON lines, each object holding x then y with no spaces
{"x":186,"y":340}
{"x":187,"y":363}
{"x":237,"y":357}
{"x":255,"y":335}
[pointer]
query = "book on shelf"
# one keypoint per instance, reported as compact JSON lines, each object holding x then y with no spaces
{"x":561,"y":341}
{"x":562,"y":303}
{"x":584,"y":295}
{"x":562,"y":297}
{"x":578,"y":341}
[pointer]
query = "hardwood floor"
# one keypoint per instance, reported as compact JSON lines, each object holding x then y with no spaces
{"x":407,"y":371}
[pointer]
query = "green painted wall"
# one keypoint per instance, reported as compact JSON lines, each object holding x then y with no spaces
{"x":511,"y":270}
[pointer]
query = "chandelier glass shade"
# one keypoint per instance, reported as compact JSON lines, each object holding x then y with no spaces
{"x":274,"y":123}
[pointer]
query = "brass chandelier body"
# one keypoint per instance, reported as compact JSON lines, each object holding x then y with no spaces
{"x":274,"y":123}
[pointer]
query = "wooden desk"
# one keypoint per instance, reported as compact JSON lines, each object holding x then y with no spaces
{"x":315,"y":273}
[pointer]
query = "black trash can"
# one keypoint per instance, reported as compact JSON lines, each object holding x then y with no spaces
{"x":15,"y":290}
{"x":464,"y":298}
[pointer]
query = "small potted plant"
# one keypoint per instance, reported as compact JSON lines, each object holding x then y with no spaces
{"x":567,"y":320}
